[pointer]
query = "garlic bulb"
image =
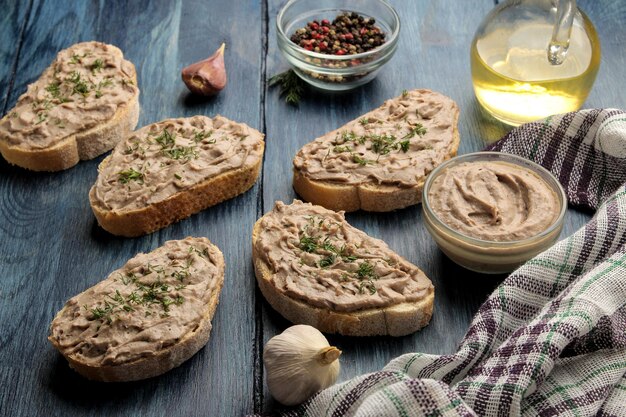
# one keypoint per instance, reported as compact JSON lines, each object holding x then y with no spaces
{"x":299,"y":362}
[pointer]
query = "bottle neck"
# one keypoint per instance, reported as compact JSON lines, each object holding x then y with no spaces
{"x":559,"y":44}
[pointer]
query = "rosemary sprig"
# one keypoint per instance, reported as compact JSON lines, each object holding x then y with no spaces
{"x":291,"y":86}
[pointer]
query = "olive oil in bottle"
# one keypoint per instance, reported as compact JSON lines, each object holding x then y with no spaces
{"x":514,"y":79}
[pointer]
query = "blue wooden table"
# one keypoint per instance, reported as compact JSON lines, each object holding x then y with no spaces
{"x":51,"y":247}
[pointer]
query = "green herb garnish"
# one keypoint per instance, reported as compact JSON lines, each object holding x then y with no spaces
{"x":360,"y":160}
{"x":383,"y":144}
{"x":107,"y":82}
{"x":41,"y":117}
{"x":326,"y":245}
{"x":366,"y":275}
{"x":166,"y":139}
{"x":54,"y":89}
{"x":79,"y":87}
{"x":182,"y":152}
{"x":347,"y":137}
{"x":327,"y":261}
{"x":199,"y":136}
{"x":308,"y":244}
{"x":418,"y":130}
{"x":182,"y":273}
{"x":130,"y":175}
{"x":365,"y":270}
{"x":97,"y":65}
{"x":340,"y":149}
{"x":103,"y":313}
{"x":348,"y":258}
{"x":291,"y":86}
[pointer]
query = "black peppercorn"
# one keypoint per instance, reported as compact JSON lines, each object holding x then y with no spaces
{"x":349,"y":33}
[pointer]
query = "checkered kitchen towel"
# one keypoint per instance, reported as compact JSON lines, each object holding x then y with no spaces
{"x":551,"y":339}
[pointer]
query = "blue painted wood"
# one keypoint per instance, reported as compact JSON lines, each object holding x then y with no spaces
{"x":13,"y":20}
{"x":433,"y":53}
{"x":51,"y":247}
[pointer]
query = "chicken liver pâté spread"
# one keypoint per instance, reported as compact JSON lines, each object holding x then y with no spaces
{"x":83,"y":88}
{"x":146,"y":306}
{"x":397,"y":144}
{"x":494,"y":201}
{"x":173,"y":155}
{"x":317,"y":257}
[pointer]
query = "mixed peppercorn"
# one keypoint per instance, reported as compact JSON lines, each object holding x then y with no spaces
{"x":348,"y":34}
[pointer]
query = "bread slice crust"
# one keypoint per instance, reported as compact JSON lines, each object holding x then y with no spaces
{"x":396,"y":320}
{"x":158,"y":363}
{"x":80,"y":146}
{"x":367,"y":196}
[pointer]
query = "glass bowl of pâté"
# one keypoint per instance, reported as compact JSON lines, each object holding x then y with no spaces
{"x":490,"y":211}
{"x":337,"y":45}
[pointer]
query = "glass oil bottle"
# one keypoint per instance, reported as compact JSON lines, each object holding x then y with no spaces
{"x":534,"y":58}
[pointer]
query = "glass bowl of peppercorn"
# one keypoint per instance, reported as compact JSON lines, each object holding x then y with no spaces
{"x":337,"y":45}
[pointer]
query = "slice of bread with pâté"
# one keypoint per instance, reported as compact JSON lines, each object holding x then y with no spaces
{"x":167,"y":171}
{"x":147,"y":317}
{"x":316,"y":269}
{"x":80,"y":107}
{"x":379,"y":161}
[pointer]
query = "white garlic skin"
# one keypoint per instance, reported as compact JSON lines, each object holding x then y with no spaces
{"x":299,"y":362}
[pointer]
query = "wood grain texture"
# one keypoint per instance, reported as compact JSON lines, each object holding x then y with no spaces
{"x":433,"y":53}
{"x":51,"y":247}
{"x":13,"y":20}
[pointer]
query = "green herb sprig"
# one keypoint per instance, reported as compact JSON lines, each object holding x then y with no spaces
{"x":145,"y":294}
{"x":291,"y":86}
{"x":130,"y":175}
{"x":364,"y":274}
{"x":418,"y":130}
{"x":367,"y":276}
{"x":358,"y":159}
{"x":167,"y":140}
{"x":97,"y":65}
{"x":79,"y":86}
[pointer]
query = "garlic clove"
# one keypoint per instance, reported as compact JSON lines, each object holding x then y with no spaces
{"x":299,"y":362}
{"x":207,"y":77}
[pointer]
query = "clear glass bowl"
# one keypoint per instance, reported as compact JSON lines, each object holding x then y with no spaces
{"x":336,"y":72}
{"x":491,"y":257}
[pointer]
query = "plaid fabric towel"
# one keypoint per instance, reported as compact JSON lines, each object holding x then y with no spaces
{"x":551,"y":339}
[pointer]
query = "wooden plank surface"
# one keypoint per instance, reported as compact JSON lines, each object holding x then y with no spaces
{"x":433,"y":52}
{"x":51,"y":247}
{"x":14,"y":21}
